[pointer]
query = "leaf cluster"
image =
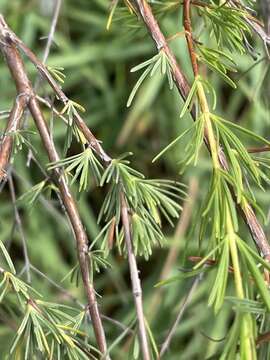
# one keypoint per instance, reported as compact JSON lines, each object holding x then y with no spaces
{"x":148,"y":200}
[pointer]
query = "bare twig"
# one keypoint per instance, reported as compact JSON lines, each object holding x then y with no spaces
{"x":79,"y":231}
{"x":263,"y":338}
{"x":20,"y":228}
{"x":135,"y":280}
{"x":52,"y":108}
{"x":54,"y":21}
{"x":49,"y":42}
{"x":76,"y":301}
{"x":12,"y":125}
{"x":182,"y":85}
{"x":184,"y":305}
{"x":15,"y":116}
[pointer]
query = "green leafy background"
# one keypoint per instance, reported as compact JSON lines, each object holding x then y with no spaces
{"x":97,"y":66}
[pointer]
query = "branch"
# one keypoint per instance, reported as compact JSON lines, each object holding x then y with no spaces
{"x":79,"y":231}
{"x":135,"y":280}
{"x":184,"y":305}
{"x":49,"y":42}
{"x":15,"y":116}
{"x":20,"y":228}
{"x":81,"y":238}
{"x":182,"y":85}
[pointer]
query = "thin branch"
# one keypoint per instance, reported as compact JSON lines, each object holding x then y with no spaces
{"x":49,"y":42}
{"x":183,"y":307}
{"x":182,"y":85}
{"x":15,"y":116}
{"x":52,"y":108}
{"x":81,"y":238}
{"x":13,"y":125}
{"x":20,"y":228}
{"x":76,"y":301}
{"x":46,"y":53}
{"x":79,"y":231}
{"x":57,"y":286}
{"x":54,"y":21}
{"x":135,"y":280}
{"x":188,"y":33}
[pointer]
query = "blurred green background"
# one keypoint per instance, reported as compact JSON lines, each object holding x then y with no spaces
{"x":97,"y":66}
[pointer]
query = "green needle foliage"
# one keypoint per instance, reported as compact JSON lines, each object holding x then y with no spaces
{"x":85,"y":164}
{"x":47,"y":329}
{"x":160,"y":63}
{"x":227,"y":24}
{"x":147,"y":199}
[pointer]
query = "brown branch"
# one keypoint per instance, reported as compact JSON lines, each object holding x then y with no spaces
{"x":7,"y":141}
{"x":79,"y":231}
{"x":81,"y":238}
{"x":188,"y":33}
{"x":15,"y":116}
{"x":135,"y":280}
{"x":182,"y":85}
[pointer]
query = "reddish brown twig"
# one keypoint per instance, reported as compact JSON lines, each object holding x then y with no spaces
{"x":12,"y":125}
{"x":182,"y":85}
{"x":188,"y":33}
{"x":15,"y":116}
{"x":209,"y":262}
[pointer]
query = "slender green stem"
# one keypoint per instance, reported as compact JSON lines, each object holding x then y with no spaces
{"x":247,"y":341}
{"x":208,"y":125}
